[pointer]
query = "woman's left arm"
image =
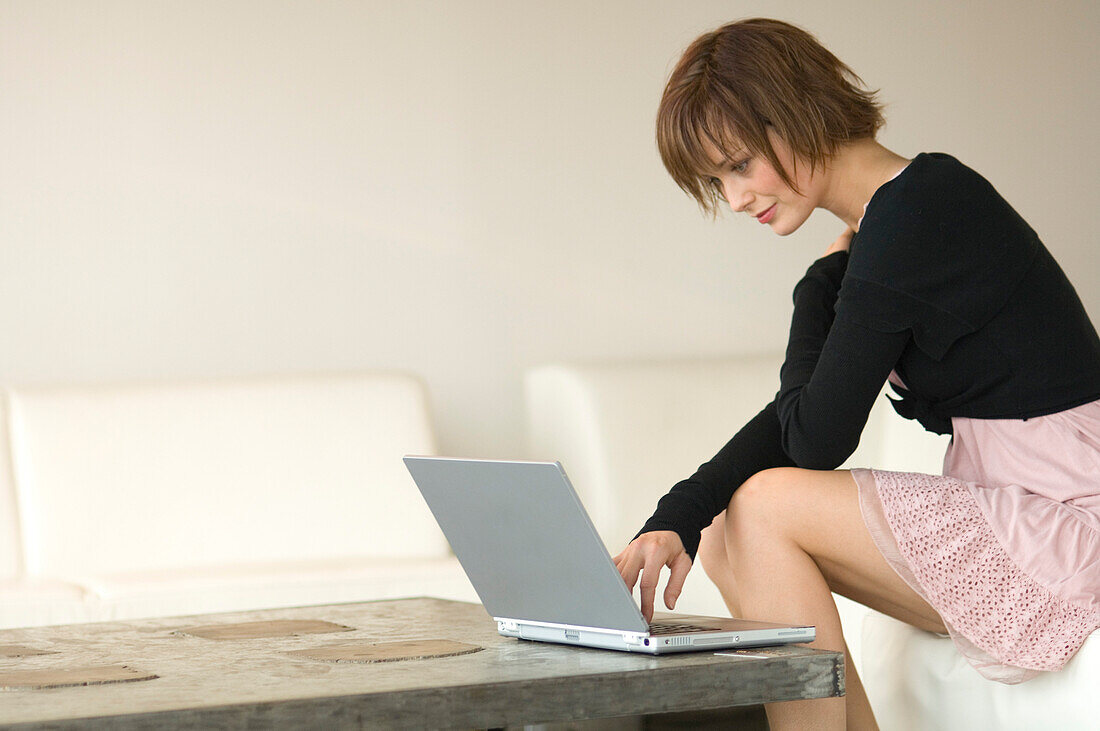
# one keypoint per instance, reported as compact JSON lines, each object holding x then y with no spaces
{"x":833,"y":371}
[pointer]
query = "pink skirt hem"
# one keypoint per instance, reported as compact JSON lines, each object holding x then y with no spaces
{"x":932,"y":532}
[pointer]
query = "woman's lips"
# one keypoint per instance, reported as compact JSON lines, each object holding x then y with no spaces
{"x":767,"y":215}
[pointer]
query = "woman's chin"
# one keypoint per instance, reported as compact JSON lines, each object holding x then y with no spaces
{"x":786,"y":227}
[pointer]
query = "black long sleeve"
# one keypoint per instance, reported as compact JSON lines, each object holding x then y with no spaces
{"x":832,"y":373}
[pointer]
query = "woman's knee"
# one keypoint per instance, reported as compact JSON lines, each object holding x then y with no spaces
{"x":760,"y":502}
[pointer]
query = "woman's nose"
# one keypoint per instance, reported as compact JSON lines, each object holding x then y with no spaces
{"x":738,"y":200}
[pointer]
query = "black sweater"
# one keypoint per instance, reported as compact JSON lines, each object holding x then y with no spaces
{"x":945,"y":284}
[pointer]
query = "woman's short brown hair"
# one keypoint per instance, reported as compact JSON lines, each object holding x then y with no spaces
{"x":733,"y":83}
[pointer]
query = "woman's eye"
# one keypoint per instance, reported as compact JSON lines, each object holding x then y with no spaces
{"x":740,"y":167}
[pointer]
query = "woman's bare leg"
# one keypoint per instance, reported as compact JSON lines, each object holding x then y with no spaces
{"x":716,"y":565}
{"x":714,"y":559}
{"x":793,"y":536}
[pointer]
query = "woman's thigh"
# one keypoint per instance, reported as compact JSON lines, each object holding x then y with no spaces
{"x":819,"y":512}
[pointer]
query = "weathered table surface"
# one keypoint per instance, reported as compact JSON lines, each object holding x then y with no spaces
{"x":254,"y":683}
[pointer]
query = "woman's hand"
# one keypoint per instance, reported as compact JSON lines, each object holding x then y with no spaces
{"x":648,"y":554}
{"x":843,"y":242}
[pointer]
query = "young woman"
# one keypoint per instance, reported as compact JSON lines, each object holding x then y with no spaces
{"x":936,"y":285}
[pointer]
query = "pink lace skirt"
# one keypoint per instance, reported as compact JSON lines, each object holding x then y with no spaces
{"x":1006,"y":544}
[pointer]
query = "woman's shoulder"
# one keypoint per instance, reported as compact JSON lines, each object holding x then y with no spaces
{"x":939,"y":251}
{"x":939,"y":214}
{"x":934,"y":189}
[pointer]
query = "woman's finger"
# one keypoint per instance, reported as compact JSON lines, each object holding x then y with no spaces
{"x":679,"y":568}
{"x":648,"y":586}
{"x":630,"y":568}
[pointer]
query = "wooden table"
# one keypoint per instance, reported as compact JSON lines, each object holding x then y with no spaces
{"x":255,"y":683}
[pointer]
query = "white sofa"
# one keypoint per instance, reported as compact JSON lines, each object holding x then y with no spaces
{"x":625,"y":433}
{"x":157,"y":499}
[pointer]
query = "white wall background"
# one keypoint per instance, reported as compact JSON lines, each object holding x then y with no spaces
{"x":463,"y":189}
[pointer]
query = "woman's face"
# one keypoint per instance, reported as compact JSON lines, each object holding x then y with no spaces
{"x":750,"y":184}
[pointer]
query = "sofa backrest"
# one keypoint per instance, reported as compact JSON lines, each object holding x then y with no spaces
{"x":112,"y":479}
{"x":627,"y":432}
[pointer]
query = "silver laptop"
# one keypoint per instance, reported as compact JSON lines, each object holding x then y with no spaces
{"x":541,"y":570}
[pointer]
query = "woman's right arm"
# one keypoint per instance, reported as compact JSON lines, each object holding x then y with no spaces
{"x":692,"y":503}
{"x":820,"y":427}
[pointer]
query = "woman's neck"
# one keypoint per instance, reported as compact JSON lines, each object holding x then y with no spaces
{"x":854,"y":174}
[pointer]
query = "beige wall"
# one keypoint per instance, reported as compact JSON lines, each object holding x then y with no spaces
{"x":463,"y":189}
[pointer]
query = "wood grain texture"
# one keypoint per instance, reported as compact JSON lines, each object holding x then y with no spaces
{"x":258,"y":683}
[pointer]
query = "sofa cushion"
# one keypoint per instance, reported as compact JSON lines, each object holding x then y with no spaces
{"x":917,"y":680}
{"x":148,"y":477}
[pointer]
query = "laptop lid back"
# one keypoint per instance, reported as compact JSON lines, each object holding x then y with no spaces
{"x":526,"y":542}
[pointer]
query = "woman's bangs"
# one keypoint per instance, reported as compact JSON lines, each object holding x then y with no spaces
{"x":685,"y":133}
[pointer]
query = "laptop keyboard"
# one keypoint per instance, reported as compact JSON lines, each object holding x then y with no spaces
{"x":672,"y":628}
